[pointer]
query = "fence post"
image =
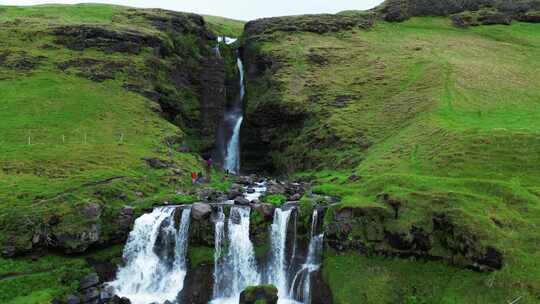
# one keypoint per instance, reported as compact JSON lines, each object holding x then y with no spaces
{"x":121,"y":138}
{"x":85,"y":135}
{"x":29,"y":140}
{"x":63,"y":139}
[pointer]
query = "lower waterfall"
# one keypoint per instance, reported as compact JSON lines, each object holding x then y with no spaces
{"x":155,"y":256}
{"x":301,"y":283}
{"x":237,"y":269}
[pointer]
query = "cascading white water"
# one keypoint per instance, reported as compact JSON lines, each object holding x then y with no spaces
{"x":219,"y":234}
{"x":238,"y":268}
{"x":301,"y":283}
{"x":278,"y":267}
{"x":233,"y":119}
{"x":154,"y":270}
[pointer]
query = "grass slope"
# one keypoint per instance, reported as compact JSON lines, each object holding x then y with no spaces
{"x":444,"y":119}
{"x":67,"y":141}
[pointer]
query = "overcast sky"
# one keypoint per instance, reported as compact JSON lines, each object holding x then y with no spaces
{"x":237,"y":9}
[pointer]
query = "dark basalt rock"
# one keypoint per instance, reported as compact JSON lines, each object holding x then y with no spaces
{"x":84,"y":36}
{"x":198,"y":285}
{"x":371,"y":230}
{"x":90,"y":280}
{"x":500,"y":11}
{"x":264,"y":294}
{"x":157,"y":163}
{"x":200,"y":211}
{"x":92,"y":69}
{"x":323,"y":23}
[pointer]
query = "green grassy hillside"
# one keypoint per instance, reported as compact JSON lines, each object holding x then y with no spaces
{"x":87,"y":92}
{"x":429,"y":121}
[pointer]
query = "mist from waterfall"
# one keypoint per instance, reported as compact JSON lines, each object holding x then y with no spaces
{"x":155,"y":256}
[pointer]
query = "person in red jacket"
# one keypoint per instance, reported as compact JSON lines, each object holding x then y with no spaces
{"x":194,"y":177}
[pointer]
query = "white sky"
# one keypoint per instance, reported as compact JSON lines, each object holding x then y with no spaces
{"x":237,"y":9}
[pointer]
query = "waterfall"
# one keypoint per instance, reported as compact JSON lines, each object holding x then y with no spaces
{"x":301,"y":284}
{"x":238,"y":268}
{"x":278,"y":267}
{"x":233,"y":120}
{"x":219,"y":234}
{"x":155,"y":256}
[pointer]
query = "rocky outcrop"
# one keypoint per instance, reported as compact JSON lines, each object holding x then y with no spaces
{"x":501,"y":11}
{"x":320,"y":24}
{"x":373,"y":230}
{"x":264,"y":294}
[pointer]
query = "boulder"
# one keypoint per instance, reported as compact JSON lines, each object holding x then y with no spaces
{"x":92,"y":211}
{"x":72,"y":299}
{"x":266,"y":210}
{"x":157,"y":163}
{"x":88,"y":281}
{"x":263,"y":294}
{"x":90,"y":295}
{"x":240,"y":200}
{"x":201,"y":211}
{"x":295,"y":197}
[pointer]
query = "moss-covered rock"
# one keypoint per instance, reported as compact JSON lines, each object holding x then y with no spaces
{"x":263,"y":294}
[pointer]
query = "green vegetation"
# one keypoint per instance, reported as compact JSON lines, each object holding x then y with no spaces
{"x":199,"y":255}
{"x":388,"y":280}
{"x":274,"y":199}
{"x":75,"y":125}
{"x":439,"y":119}
{"x":224,"y":26}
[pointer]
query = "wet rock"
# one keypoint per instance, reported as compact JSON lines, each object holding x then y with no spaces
{"x":90,"y":295}
{"x":233,"y":193}
{"x":210,"y":195}
{"x":240,"y":200}
{"x":157,"y":163}
{"x":250,"y":190}
{"x":201,"y":211}
{"x":266,"y":210}
{"x":117,"y":300}
{"x":198,"y":285}
{"x":72,"y":299}
{"x":267,"y":294}
{"x":275,"y":188}
{"x":89,"y":280}
{"x":235,"y":217}
{"x":295,"y":197}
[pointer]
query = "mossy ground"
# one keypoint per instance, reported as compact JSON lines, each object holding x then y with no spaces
{"x":445,"y":119}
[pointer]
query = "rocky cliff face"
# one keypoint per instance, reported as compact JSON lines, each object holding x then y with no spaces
{"x":275,"y":116}
{"x":400,"y":10}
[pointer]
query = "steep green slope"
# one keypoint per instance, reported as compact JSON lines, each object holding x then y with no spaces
{"x":99,"y":108}
{"x":440,"y":128}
